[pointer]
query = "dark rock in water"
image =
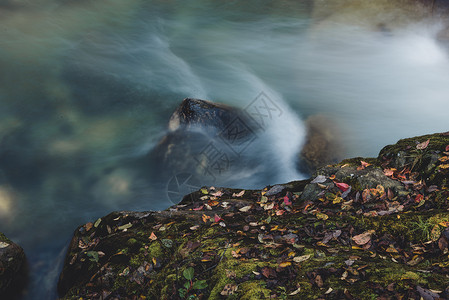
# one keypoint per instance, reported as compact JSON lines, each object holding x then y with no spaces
{"x":202,"y":138}
{"x":193,"y":113}
{"x":322,"y":145}
{"x":13,"y":268}
{"x":353,"y":231}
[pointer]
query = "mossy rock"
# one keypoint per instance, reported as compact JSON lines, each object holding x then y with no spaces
{"x":13,"y":268}
{"x":429,"y":162}
{"x":356,"y":230}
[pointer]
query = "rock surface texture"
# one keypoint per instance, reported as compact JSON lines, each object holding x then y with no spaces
{"x":12,"y":268}
{"x":361,"y":229}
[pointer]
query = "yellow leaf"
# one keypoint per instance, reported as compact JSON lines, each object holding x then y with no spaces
{"x":435,"y":233}
{"x":337,"y":200}
{"x":322,"y":216}
{"x":444,"y":158}
{"x":444,"y":166}
{"x":285,"y":264}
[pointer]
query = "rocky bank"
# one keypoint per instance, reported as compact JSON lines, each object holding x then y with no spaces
{"x":365,"y":228}
{"x":13,"y":268}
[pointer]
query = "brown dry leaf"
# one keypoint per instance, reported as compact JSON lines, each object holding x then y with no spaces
{"x":229,"y":289}
{"x":213,"y":202}
{"x":363,"y":238}
{"x":389,"y":172}
{"x":89,"y":226}
{"x":319,"y":281}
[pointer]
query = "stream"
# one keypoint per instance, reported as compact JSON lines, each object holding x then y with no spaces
{"x":87,"y":89}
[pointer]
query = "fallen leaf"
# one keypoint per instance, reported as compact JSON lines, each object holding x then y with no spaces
{"x":295,"y":292}
{"x":125,"y":227}
{"x":444,"y":158}
{"x":213,"y":202}
{"x":447,"y":148}
{"x":195,"y":227}
{"x":300,"y":259}
{"x":269,"y":272}
{"x":229,"y":289}
{"x":204,"y":191}
{"x":240,"y":194}
{"x":342,"y":186}
{"x":363,"y":238}
{"x":319,"y":179}
{"x":205,"y":218}
{"x":97,"y":223}
{"x":245,"y":208}
{"x":419,"y":198}
{"x":389,"y":172}
{"x":88,"y":226}
{"x":199,"y":208}
{"x":322,"y":216}
{"x":217,"y":194}
{"x":3,"y":245}
{"x":319,"y":281}
{"x":435,"y":233}
{"x":287,"y":201}
{"x":285,"y":264}
{"x":444,"y":166}
{"x":423,"y":145}
{"x":217,"y":218}
{"x":153,"y":237}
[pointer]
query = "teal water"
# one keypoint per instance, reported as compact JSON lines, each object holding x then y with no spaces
{"x":87,"y":88}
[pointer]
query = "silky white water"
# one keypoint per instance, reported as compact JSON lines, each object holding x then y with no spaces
{"x":87,"y":89}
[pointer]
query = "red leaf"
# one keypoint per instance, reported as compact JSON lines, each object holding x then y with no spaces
{"x":342,"y":186}
{"x":418,"y":198}
{"x":287,"y":201}
{"x":199,"y":207}
{"x":217,"y":219}
{"x":423,"y":145}
{"x":447,"y":148}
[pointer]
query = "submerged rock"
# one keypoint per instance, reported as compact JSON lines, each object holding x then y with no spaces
{"x":322,"y":145}
{"x":13,"y":268}
{"x":360,"y":229}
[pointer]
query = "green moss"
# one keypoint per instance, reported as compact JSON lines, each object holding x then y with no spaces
{"x":4,"y":239}
{"x":254,"y":290}
{"x":155,"y":249}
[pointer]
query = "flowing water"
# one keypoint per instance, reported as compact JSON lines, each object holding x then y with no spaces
{"x":87,"y":89}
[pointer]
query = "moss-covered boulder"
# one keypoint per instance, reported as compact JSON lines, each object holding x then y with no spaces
{"x":373,"y":228}
{"x":13,"y":268}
